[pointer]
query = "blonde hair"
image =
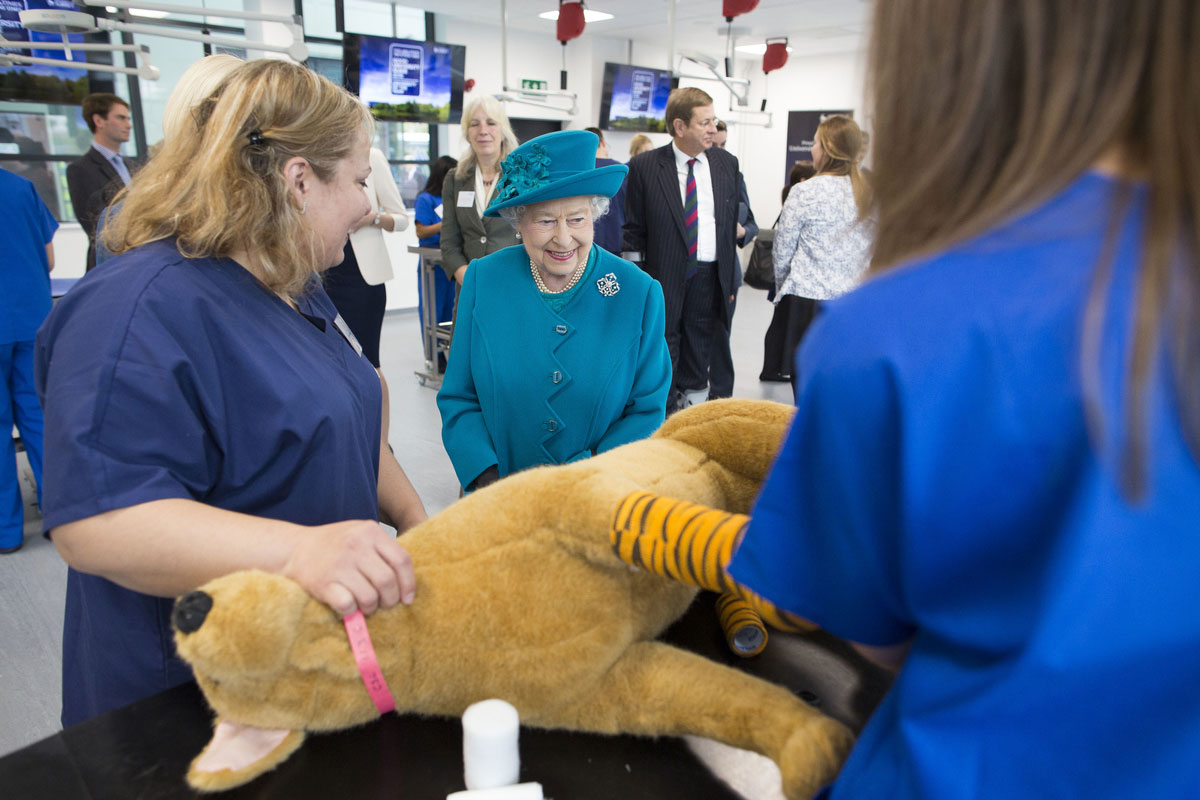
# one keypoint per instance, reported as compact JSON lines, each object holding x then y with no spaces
{"x":1013,"y":101}
{"x":638,"y":142}
{"x":218,"y":186}
{"x":197,"y":82}
{"x":841,"y":143}
{"x":494,"y":109}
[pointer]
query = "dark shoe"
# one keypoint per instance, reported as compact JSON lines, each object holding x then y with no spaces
{"x":7,"y":550}
{"x":774,"y":377}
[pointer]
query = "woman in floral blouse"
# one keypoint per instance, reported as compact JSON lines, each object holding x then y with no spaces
{"x":822,"y":242}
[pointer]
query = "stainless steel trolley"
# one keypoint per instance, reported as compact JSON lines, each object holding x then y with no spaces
{"x":435,"y":336}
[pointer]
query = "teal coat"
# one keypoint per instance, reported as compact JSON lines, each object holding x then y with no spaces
{"x":526,"y":386}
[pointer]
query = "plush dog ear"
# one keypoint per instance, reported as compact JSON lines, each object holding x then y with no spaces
{"x":238,"y":754}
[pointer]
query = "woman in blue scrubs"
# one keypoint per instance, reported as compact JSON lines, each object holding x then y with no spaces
{"x":206,"y":408}
{"x":992,"y":479}
{"x":559,"y":350}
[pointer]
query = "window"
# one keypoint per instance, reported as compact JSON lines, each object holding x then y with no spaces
{"x":38,"y":140}
{"x":172,"y":57}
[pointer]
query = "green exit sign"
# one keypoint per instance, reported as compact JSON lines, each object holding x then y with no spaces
{"x":526,"y":83}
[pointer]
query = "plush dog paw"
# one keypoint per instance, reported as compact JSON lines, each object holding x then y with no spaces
{"x":238,"y":754}
{"x":813,"y":756}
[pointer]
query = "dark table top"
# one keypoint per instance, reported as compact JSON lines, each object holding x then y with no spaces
{"x":143,"y":750}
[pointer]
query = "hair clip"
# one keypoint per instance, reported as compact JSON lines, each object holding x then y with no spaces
{"x":256,"y":138}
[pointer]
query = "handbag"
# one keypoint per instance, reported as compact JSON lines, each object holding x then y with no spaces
{"x":760,"y":271}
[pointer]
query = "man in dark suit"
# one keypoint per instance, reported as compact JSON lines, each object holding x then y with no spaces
{"x":720,"y":370}
{"x":95,"y":177}
{"x":692,"y":255}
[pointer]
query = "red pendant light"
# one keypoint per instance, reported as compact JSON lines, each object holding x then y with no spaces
{"x":732,"y":8}
{"x":570,"y":20}
{"x":776,"y":54}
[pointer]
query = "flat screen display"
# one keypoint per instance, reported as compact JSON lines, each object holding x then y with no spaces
{"x":402,"y":80}
{"x":37,"y":83}
{"x":635,"y":98}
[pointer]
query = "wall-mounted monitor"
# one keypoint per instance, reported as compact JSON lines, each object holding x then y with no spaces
{"x":404,"y":80}
{"x":40,"y":83}
{"x":635,"y":98}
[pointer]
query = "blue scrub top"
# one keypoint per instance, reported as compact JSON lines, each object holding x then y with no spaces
{"x":939,"y":483}
{"x":425,"y":212}
{"x":171,"y":377}
{"x":24,"y":271}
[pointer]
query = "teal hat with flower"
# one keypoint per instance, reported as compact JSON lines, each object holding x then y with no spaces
{"x":553,"y":166}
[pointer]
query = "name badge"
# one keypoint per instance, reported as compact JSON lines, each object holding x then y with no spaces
{"x":344,"y":330}
{"x":466,"y":199}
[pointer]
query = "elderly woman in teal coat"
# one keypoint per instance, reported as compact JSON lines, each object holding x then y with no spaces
{"x":559,"y":350}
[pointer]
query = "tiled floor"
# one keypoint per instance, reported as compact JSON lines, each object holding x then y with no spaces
{"x":32,"y":581}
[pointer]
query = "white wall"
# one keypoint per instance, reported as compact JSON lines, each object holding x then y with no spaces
{"x":829,"y":81}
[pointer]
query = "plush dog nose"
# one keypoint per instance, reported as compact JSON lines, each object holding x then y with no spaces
{"x":190,"y":611}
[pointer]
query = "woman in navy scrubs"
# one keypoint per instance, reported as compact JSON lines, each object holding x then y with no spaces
{"x":206,"y":410}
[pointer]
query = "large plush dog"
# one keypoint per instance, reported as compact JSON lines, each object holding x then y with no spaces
{"x":521,"y":595}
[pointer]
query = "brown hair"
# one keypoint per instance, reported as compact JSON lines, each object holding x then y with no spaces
{"x":682,"y":102}
{"x":841,"y":143}
{"x":99,"y":103}
{"x":800,"y":172}
{"x":216,"y":189}
{"x":1005,"y":104}
{"x":638,"y":142}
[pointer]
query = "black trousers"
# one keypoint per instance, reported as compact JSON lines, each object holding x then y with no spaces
{"x":360,"y":304}
{"x":775,"y":366}
{"x":790,"y":322}
{"x":691,"y":341}
{"x":720,"y":362}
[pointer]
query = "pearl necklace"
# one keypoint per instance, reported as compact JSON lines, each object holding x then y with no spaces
{"x":541,"y":284}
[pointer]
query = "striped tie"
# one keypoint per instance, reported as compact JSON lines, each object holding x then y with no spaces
{"x":691,"y":218}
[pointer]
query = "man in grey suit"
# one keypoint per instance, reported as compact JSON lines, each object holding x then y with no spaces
{"x":692,"y":254}
{"x":95,"y":177}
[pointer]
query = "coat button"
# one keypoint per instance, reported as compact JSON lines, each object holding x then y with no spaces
{"x":556,"y":376}
{"x":560,"y":329}
{"x":551,"y":425}
{"x":483,"y":240}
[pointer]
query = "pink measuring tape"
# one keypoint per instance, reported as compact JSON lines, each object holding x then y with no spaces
{"x":368,"y":664}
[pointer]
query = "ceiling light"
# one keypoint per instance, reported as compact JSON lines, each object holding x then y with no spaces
{"x":145,"y":12}
{"x":754,"y":49}
{"x":588,"y":15}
